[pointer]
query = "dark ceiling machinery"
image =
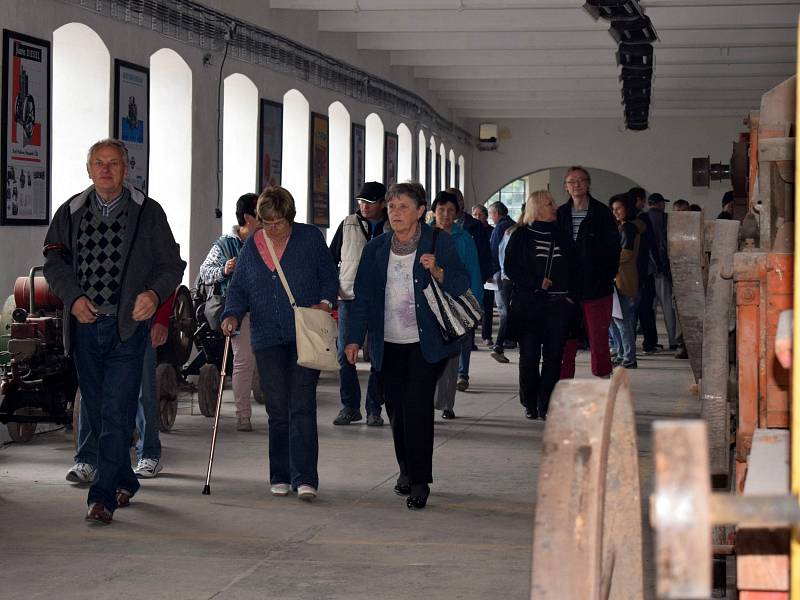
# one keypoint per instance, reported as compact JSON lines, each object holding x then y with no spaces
{"x":634,"y":34}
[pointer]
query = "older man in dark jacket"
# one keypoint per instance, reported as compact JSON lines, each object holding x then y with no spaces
{"x":592,"y":226}
{"x":111,"y":258}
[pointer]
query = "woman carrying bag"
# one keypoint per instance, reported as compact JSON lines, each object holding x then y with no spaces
{"x":540,"y":262}
{"x":406,"y":346}
{"x":289,"y":389}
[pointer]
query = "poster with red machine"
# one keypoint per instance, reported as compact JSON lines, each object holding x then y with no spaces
{"x":26,"y":130}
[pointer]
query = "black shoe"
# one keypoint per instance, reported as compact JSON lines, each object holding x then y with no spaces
{"x":347,"y":416}
{"x":418,"y":498}
{"x":630,"y":365}
{"x":448,"y":414}
{"x":374,"y":419}
{"x":673,"y":346}
{"x":402,"y":489}
{"x":681,"y":353}
{"x":500,"y":356}
{"x":529,"y":414}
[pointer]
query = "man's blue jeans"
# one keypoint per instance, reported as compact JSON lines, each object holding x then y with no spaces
{"x":349,"y":387}
{"x":290,"y":392}
{"x":148,"y":418}
{"x":623,"y":330}
{"x":109,"y":375}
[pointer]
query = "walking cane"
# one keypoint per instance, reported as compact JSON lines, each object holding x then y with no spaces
{"x":207,"y":487}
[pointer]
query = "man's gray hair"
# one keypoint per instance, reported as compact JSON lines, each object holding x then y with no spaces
{"x":109,"y":142}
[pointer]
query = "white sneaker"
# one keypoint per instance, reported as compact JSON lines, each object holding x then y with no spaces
{"x":306,"y":492}
{"x":148,"y":468}
{"x":280,"y":489}
{"x":81,"y":473}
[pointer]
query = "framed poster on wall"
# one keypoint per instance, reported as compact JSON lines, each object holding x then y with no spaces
{"x":438,"y":181}
{"x":358,"y":162}
{"x":389,"y":158}
{"x":25,"y":130}
{"x":320,"y":198}
{"x":132,"y":118}
{"x":270,"y":144}
{"x":429,"y":174}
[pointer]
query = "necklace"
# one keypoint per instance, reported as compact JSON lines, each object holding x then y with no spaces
{"x":406,"y":248}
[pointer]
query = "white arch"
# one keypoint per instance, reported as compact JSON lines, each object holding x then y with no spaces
{"x":339,"y":165}
{"x":422,"y":149}
{"x":239,"y":143}
{"x":433,"y":184}
{"x":171,"y":144}
{"x":442,"y":167}
{"x":80,"y":111}
{"x":452,"y":159}
{"x":404,"y":153}
{"x":294,"y":176}
{"x":461,"y":177}
{"x":374,"y":151}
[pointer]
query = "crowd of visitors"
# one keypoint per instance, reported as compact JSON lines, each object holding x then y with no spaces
{"x":585,"y":274}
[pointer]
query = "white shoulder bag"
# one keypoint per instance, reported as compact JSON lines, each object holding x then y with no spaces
{"x":315,"y":329}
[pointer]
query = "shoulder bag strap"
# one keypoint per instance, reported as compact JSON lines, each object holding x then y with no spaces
{"x":549,"y":265}
{"x":278,"y":268}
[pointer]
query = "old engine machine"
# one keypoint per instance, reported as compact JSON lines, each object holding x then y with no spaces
{"x":38,"y":383}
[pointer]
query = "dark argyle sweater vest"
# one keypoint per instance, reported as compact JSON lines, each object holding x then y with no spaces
{"x":100,"y":248}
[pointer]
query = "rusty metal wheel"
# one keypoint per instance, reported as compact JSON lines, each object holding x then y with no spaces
{"x":23,"y":432}
{"x":587,"y":536}
{"x":258,"y":393}
{"x":207,"y":387}
{"x":167,"y":394}
{"x":182,"y":326}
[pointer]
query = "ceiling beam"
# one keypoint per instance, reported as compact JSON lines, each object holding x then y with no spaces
{"x":594,"y":114}
{"x":760,"y":83}
{"x":602,"y":71}
{"x":664,"y":56}
{"x":554,"y":19}
{"x":551,"y":40}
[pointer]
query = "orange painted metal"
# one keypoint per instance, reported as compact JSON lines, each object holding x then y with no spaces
{"x":763,"y":289}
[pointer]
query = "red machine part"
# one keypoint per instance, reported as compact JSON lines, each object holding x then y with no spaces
{"x":44,"y":297}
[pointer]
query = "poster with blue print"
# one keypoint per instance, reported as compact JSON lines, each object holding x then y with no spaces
{"x":132,"y":118}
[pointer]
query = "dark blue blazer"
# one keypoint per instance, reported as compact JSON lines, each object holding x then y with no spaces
{"x":367,"y":312}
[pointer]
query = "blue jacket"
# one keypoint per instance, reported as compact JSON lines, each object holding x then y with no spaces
{"x":465,"y":245}
{"x":310,"y":272}
{"x":497,"y":236}
{"x":367,"y":312}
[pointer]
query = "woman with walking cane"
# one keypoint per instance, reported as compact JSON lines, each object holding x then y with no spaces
{"x":406,"y":345}
{"x":539,"y":260}
{"x":289,"y":389}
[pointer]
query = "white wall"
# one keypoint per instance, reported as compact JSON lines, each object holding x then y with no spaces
{"x":39,"y":18}
{"x":659,"y":159}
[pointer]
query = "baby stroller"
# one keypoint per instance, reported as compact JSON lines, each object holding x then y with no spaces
{"x":207,"y":364}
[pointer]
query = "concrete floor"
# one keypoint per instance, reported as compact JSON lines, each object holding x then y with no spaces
{"x":356,"y":541}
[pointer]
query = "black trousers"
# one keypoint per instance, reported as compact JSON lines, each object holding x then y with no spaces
{"x":647,"y":312}
{"x":542,"y":337}
{"x":409,"y":383}
{"x":488,"y":315}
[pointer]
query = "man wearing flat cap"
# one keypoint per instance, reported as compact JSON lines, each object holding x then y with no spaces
{"x":354,"y":232}
{"x":727,"y":206}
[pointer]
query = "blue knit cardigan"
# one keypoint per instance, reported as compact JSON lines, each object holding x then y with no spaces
{"x":367,"y":311}
{"x":309,"y":269}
